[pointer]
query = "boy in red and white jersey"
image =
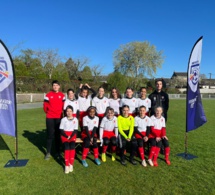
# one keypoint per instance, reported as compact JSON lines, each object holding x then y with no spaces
{"x":130,"y":101}
{"x":141,"y":131}
{"x":158,"y":137}
{"x":53,"y":107}
{"x":72,"y":101}
{"x":69,"y":129}
{"x":89,"y":135}
{"x":101,"y":103}
{"x":114,"y":100}
{"x":84,"y":101}
{"x":143,"y":100}
{"x":109,"y":134}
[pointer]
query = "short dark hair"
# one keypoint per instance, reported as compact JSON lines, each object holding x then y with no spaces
{"x":55,"y":82}
{"x":69,"y":107}
{"x":70,"y":90}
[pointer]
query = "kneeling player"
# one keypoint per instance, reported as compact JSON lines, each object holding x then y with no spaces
{"x":69,"y":129}
{"x":108,"y":134}
{"x":89,"y":136}
{"x":141,"y":131}
{"x":158,"y":137}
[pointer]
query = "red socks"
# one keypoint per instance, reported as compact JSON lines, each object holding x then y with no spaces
{"x":85,"y":152}
{"x":66,"y":157}
{"x":96,"y":152}
{"x":141,"y":151}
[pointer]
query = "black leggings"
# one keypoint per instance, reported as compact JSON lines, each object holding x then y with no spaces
{"x":123,"y":142}
{"x":164,"y":141}
{"x":53,"y":132}
{"x":69,"y":145}
{"x":112,"y":140}
{"x":86,"y":143}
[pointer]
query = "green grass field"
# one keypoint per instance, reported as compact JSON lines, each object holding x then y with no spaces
{"x":195,"y":176}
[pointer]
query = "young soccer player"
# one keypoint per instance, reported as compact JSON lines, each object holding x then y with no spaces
{"x":126,"y":130}
{"x":141,"y":131}
{"x":158,"y":137}
{"x":69,"y":129}
{"x":109,"y":134}
{"x":84,"y":101}
{"x":53,"y":107}
{"x":143,"y":100}
{"x":130,"y":101}
{"x":89,"y":136}
{"x":114,"y":100}
{"x":101,"y":103}
{"x":72,"y":101}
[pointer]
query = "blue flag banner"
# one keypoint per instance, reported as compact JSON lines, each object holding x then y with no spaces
{"x":195,"y":113}
{"x":7,"y":93}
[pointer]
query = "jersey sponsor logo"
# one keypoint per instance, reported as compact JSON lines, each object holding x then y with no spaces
{"x":193,"y":76}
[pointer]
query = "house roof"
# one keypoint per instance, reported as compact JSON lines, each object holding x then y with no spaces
{"x":175,"y":74}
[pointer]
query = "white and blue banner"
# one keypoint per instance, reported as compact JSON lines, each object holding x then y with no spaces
{"x":195,"y":113}
{"x":7,"y":93}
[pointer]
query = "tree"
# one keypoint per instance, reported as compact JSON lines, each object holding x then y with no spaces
{"x":86,"y":74}
{"x":20,"y":68}
{"x":60,"y":73}
{"x":96,"y":72}
{"x":75,"y":66}
{"x":137,"y":58}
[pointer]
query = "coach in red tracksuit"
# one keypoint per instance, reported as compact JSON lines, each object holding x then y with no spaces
{"x":53,"y":107}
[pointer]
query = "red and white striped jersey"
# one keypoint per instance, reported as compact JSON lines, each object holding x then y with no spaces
{"x":90,"y":123}
{"x":142,"y":123}
{"x":73,"y":103}
{"x":131,"y":102}
{"x":144,"y":102}
{"x":101,"y":104}
{"x":114,"y":103}
{"x":69,"y":124}
{"x":84,"y":103}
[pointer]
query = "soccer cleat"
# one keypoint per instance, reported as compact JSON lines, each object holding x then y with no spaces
{"x":144,"y":163}
{"x":155,"y":163}
{"x":113,"y":157}
{"x":168,"y":162}
{"x":47,"y":156}
{"x":70,"y":168}
{"x":103,"y":157}
{"x":84,"y":163}
{"x":97,"y":161}
{"x":123,"y":162}
{"x":67,"y":169}
{"x":133,"y":162}
{"x":150,"y":162}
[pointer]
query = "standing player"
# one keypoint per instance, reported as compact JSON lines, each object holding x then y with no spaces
{"x":143,"y":100}
{"x":159,"y":98}
{"x":114,"y":100}
{"x":84,"y":101}
{"x":141,"y":131}
{"x":101,"y":103}
{"x":130,"y":101}
{"x":126,"y":130}
{"x":89,"y":136}
{"x":109,"y":134}
{"x":53,"y":107}
{"x":158,"y":137}
{"x":69,"y":129}
{"x":72,"y":101}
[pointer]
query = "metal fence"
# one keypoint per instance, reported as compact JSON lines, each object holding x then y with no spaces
{"x":39,"y":97}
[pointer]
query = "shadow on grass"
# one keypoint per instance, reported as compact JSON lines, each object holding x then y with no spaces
{"x":38,"y":138}
{"x":4,"y":146}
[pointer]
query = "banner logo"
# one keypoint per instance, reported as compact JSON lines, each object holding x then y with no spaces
{"x":194,"y":76}
{"x":3,"y":70}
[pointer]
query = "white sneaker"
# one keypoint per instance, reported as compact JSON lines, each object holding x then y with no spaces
{"x":67,"y":169}
{"x":150,"y":162}
{"x":144,"y":163}
{"x":70,"y":168}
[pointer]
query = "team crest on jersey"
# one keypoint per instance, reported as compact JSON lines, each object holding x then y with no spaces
{"x":194,"y":76}
{"x":73,"y":122}
{"x":94,"y":122}
{"x":105,"y":101}
{"x":154,"y":98}
{"x":59,"y":96}
{"x":51,"y":97}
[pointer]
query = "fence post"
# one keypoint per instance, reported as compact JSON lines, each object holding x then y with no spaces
{"x":31,"y":99}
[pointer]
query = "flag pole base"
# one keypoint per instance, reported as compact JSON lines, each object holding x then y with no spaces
{"x":187,"y":156}
{"x":16,"y":163}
